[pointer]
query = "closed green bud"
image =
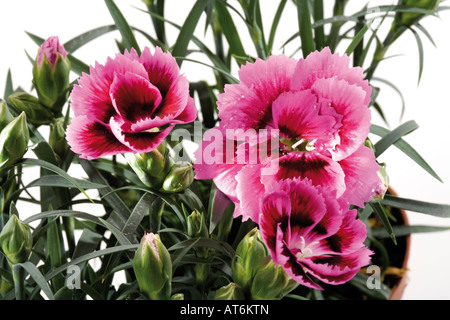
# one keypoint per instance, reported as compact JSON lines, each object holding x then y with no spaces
{"x":179,"y":178}
{"x":196,"y":225}
{"x":51,"y":74}
{"x":37,"y":114}
{"x":5,"y":115}
{"x":14,"y":141}
{"x":271,"y":282}
{"x":231,"y":291}
{"x":410,"y":18}
{"x":16,"y":240}
{"x":151,"y":167}
{"x":153,"y":268}
{"x":57,"y":137}
{"x":249,"y":252}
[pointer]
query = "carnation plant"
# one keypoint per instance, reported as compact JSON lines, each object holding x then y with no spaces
{"x":262,"y":185}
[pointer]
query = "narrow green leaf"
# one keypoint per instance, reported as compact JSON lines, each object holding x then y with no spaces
{"x":38,"y":278}
{"x":121,"y":212}
{"x":90,"y":256}
{"x":87,"y":243}
{"x":433,"y":209}
{"x":58,"y":181}
{"x":319,"y":32}
{"x":389,"y":139}
{"x":396,"y":89}
{"x":55,"y":169}
{"x":421,"y":53}
{"x":382,"y":214}
{"x":139,"y":211}
{"x":407,"y":149}
{"x":406,"y":230}
{"x":77,"y":42}
{"x":123,"y":26}
{"x":276,"y":21}
{"x":63,"y":213}
{"x":188,"y":28}
{"x":305,"y":27}
{"x":116,"y":232}
{"x":230,"y":32}
{"x":358,"y":38}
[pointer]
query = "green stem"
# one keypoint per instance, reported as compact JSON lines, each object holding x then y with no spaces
{"x":19,"y":279}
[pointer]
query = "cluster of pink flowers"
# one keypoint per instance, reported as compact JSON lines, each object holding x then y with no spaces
{"x":300,"y":193}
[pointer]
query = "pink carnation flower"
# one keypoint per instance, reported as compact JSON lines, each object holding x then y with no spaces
{"x":319,"y":108}
{"x":311,"y":235}
{"x":130,"y":104}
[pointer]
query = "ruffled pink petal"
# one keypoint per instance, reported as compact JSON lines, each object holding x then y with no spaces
{"x":139,"y":142}
{"x":298,"y":115}
{"x":134,"y":97}
{"x":361,"y":176}
{"x":162,"y":68}
{"x":274,"y":220}
{"x":188,"y":114}
{"x":338,"y":269}
{"x":175,"y":99}
{"x":250,"y":191}
{"x":324,"y":65}
{"x":248,"y":105}
{"x":321,"y":170}
{"x":91,"y":96}
{"x":92,"y":139}
{"x":349,"y":237}
{"x":348,"y":101}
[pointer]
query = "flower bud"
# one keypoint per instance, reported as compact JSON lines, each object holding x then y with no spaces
{"x":410,"y":18}
{"x":57,"y":137}
{"x":271,"y":282}
{"x":196,"y":226}
{"x":16,"y":240}
{"x":231,"y":291}
{"x":381,"y":189}
{"x":5,"y":115}
{"x":51,"y":74}
{"x":37,"y":114}
{"x":179,"y":178}
{"x":151,"y":167}
{"x":153,"y":268}
{"x":14,"y":141}
{"x":249,"y":253}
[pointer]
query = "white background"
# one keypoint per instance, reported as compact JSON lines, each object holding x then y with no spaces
{"x":427,"y":103}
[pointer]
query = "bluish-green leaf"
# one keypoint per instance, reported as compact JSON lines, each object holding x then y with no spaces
{"x":305,"y":27}
{"x":389,"y":139}
{"x":37,"y":276}
{"x":430,"y":208}
{"x":230,"y":32}
{"x":407,"y":149}
{"x":77,"y":42}
{"x":383,"y":215}
{"x":123,"y":26}
{"x":188,"y":28}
